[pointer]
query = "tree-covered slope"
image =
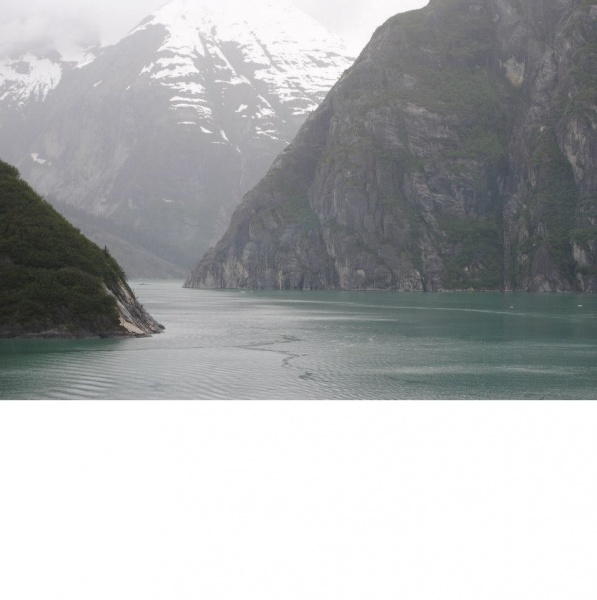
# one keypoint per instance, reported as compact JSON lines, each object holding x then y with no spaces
{"x":54,"y":281}
{"x":459,"y":152}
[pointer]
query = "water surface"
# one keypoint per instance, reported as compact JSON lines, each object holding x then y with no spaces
{"x":320,"y":345}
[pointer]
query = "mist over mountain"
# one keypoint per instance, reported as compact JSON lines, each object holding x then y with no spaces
{"x":156,"y":138}
{"x":39,"y":25}
{"x":459,"y":152}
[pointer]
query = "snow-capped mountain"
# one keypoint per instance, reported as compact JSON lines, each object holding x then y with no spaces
{"x":270,"y":46}
{"x":25,"y":83}
{"x":29,"y":78}
{"x":160,"y":135}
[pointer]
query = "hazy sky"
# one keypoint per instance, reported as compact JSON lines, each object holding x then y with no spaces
{"x":48,"y":23}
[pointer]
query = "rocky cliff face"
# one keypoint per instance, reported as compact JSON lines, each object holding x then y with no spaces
{"x":133,"y":319}
{"x":459,"y":152}
{"x":157,"y":138}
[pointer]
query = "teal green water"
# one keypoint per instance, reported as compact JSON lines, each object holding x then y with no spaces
{"x":320,"y":345}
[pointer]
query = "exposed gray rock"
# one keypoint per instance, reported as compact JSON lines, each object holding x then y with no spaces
{"x":134,"y":319}
{"x":459,"y":152}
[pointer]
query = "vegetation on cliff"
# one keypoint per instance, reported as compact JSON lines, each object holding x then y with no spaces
{"x":459,"y":152}
{"x":54,"y":280}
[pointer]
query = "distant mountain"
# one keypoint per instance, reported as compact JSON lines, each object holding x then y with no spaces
{"x":28,"y":79}
{"x":25,"y":83}
{"x":459,"y":152}
{"x":162,"y":133}
{"x":55,"y":282}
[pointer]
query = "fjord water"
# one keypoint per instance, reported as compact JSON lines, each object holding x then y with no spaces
{"x":318,"y":345}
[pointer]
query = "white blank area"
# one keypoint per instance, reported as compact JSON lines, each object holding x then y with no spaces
{"x":317,"y":501}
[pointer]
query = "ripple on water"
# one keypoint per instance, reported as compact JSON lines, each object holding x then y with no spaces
{"x":224,"y":345}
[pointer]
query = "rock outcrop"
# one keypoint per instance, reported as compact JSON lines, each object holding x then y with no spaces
{"x":459,"y":152}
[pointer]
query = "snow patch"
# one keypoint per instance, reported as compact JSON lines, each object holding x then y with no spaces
{"x":184,"y":99}
{"x":179,"y":71}
{"x":29,"y":78}
{"x":40,"y":161}
{"x":192,"y":88}
{"x":81,"y":57}
{"x":147,"y":69}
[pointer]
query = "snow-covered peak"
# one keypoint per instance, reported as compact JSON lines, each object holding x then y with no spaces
{"x":28,"y":78}
{"x":277,"y":20}
{"x":288,"y":60}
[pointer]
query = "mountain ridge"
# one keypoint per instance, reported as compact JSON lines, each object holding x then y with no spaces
{"x":163,"y":132}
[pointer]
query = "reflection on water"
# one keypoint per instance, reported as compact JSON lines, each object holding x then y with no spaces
{"x":228,"y":344}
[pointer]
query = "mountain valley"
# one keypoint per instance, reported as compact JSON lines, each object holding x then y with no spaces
{"x":155,"y":140}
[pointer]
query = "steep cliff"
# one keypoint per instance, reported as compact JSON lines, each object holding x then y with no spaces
{"x":459,"y":152}
{"x":54,"y":281}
